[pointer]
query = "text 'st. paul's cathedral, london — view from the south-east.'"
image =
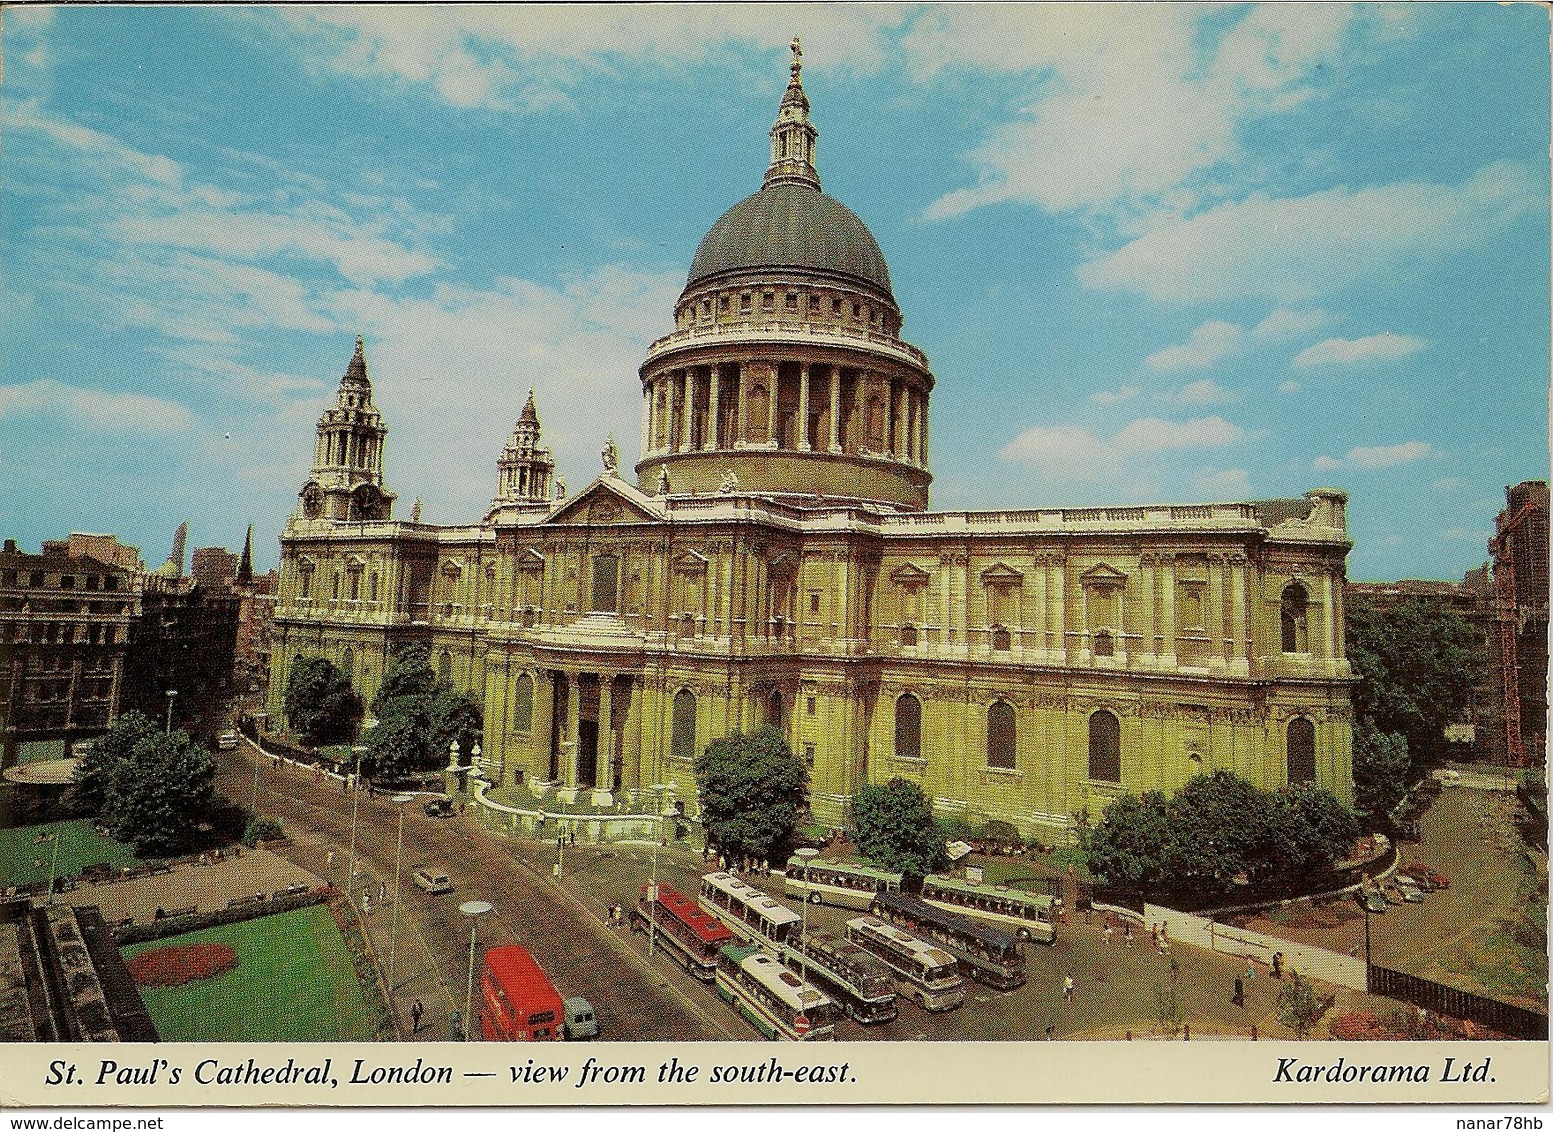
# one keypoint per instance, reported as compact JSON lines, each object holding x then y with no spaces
{"x":774,"y":560}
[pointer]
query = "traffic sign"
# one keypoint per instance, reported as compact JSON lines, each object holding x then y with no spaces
{"x":801,"y":1025}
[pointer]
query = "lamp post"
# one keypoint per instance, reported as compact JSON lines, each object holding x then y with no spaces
{"x":472,"y":909}
{"x":171,"y":692}
{"x":393,"y":948}
{"x":54,"y":863}
{"x":652,"y":894}
{"x":350,"y":867}
{"x":808,"y":853}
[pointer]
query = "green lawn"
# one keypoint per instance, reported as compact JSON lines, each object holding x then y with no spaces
{"x":24,"y":862}
{"x":40,"y":751}
{"x":293,"y":982}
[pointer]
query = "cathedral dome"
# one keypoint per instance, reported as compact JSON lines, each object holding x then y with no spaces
{"x":791,"y":225}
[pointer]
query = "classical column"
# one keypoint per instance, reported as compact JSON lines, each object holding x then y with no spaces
{"x":1328,"y":630}
{"x":571,"y":744}
{"x":1085,"y":652}
{"x":1150,"y":624}
{"x":835,"y":408}
{"x":1239,"y":665}
{"x":1059,"y":606}
{"x":922,"y":435}
{"x":631,"y":741}
{"x":803,"y":408}
{"x":1168,"y":615}
{"x":543,"y":733}
{"x":1213,"y":619}
{"x":647,"y":420}
{"x":1341,"y":636}
{"x":742,"y":421}
{"x":773,"y":387}
{"x":1038,"y":607}
{"x":902,"y":417}
{"x":715,"y":379}
{"x":605,"y":757}
{"x":688,"y":412}
{"x":916,"y":428}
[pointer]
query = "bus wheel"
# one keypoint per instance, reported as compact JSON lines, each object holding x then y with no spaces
{"x":1024,"y":934}
{"x":814,"y":898}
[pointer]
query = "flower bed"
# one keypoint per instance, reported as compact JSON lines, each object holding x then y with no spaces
{"x":175,"y":966}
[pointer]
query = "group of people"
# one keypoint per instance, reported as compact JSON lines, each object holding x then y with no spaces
{"x":739,"y":866}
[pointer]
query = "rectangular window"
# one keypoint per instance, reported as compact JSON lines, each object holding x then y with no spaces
{"x":792,"y":301}
{"x":809,"y":705}
{"x":744,"y":303}
{"x":67,"y":581}
{"x":814,"y":602}
{"x":808,"y":755}
{"x":835,"y":307}
{"x":768,"y":301}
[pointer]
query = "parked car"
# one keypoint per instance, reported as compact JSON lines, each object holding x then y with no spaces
{"x":433,"y":880}
{"x":581,"y":1020}
{"x":439,"y":808}
{"x":1418,"y":872}
{"x":1420,"y":876}
{"x":1370,"y":901}
{"x":1410,"y":890}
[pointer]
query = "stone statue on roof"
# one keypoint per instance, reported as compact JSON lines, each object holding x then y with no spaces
{"x":611,"y":457}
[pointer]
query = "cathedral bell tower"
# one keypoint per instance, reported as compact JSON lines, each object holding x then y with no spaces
{"x":346,"y":484}
{"x":524,"y":470}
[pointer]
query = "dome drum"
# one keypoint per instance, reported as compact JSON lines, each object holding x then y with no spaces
{"x":871,"y":479}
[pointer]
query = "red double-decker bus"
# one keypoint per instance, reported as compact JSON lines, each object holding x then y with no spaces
{"x":517,"y":1002}
{"x":681,"y":928}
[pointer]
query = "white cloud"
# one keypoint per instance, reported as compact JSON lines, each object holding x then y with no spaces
{"x":1463,"y":534}
{"x":1348,"y":351}
{"x":1209,"y":344}
{"x":1074,"y":453}
{"x":1230,"y":483}
{"x":1205,"y":392}
{"x":1447,"y":483}
{"x":1286,"y":323}
{"x":1326,"y":464}
{"x":1389,"y":455}
{"x":528,"y":57}
{"x":1294,"y":249}
{"x":1288,"y":387}
{"x":1126,"y":108}
{"x":94,"y":409}
{"x":1115,"y":397}
{"x":104,"y":150}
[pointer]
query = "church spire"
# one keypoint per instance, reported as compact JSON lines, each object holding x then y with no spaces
{"x":792,"y":137}
{"x":245,"y":564}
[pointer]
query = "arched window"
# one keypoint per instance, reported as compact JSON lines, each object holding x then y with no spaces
{"x":523,"y":703}
{"x":1105,"y":747}
{"x":348,"y":664}
{"x":1292,"y":618}
{"x":683,"y":742}
{"x":1000,"y":639}
{"x":1000,"y":736}
{"x":1302,"y":750}
{"x":606,"y":583}
{"x":445,"y":667}
{"x":908,"y":727}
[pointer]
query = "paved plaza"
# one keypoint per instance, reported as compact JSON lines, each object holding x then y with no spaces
{"x":206,"y":887}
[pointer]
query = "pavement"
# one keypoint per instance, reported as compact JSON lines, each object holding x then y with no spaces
{"x":207,"y":887}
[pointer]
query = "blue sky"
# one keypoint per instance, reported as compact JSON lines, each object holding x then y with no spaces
{"x":1153,"y":253}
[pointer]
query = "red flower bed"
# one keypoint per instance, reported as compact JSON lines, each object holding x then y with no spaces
{"x":174,"y":966}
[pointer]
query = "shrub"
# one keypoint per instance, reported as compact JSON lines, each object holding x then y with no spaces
{"x":262,"y":829}
{"x":175,"y":966}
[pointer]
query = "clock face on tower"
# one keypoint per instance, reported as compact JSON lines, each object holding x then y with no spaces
{"x":367,"y":502}
{"x":312,"y":501}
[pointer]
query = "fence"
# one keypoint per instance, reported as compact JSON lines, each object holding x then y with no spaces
{"x":1313,"y":962}
{"x":1516,"y":1021}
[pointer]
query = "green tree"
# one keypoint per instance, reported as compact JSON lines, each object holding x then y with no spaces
{"x":1380,"y":769}
{"x":418,"y":717}
{"x":1134,"y":845}
{"x":160,"y":794}
{"x":751,"y":790}
{"x":1299,"y":1006}
{"x":894,"y":827}
{"x":93,"y":780}
{"x":1311,"y":830}
{"x":1223,"y":829}
{"x":321,"y":706}
{"x":1416,"y":664}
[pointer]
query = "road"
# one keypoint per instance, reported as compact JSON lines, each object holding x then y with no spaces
{"x":428,"y":954}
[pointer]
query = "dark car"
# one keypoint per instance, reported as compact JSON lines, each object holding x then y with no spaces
{"x":439,"y":808}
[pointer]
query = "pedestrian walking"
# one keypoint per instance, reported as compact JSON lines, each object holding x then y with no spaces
{"x":1127,"y":932}
{"x":366,"y":903}
{"x":329,"y":859}
{"x":1250,"y":971}
{"x":1067,"y":986}
{"x":1277,"y":964}
{"x":415,"y":1017}
{"x":456,"y":1027}
{"x":382,"y":890}
{"x":1239,"y":997}
{"x":1107,"y":934}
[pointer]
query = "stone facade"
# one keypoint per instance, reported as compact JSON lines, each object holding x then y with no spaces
{"x":774,"y":563}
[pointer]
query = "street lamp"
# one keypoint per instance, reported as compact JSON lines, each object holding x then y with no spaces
{"x":808,"y":853}
{"x":393,"y":949}
{"x":54,"y":863}
{"x":171,"y":692}
{"x":652,"y":893}
{"x":472,"y":909}
{"x":350,"y":868}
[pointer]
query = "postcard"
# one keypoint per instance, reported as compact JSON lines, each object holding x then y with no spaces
{"x":1005,"y":546}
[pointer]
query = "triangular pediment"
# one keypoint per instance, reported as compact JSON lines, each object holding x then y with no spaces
{"x":530,"y":559}
{"x":1104,"y":575}
{"x":605,"y":500}
{"x":1001,"y":573}
{"x":691,"y":562}
{"x":909,"y":574}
